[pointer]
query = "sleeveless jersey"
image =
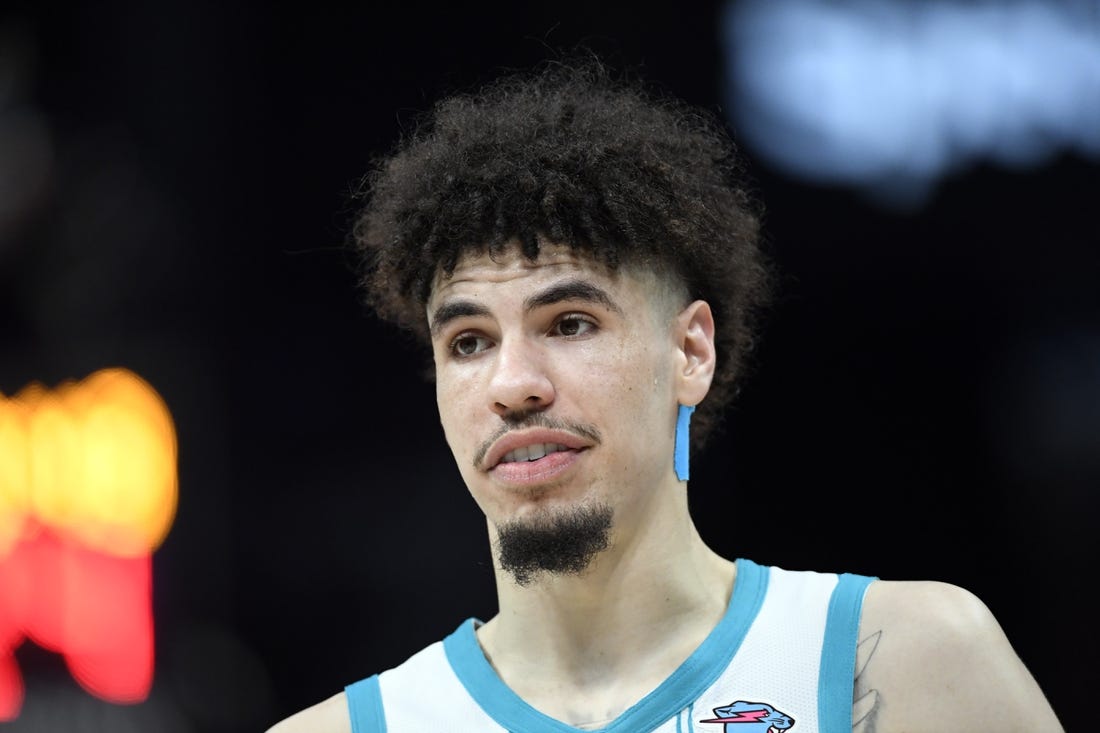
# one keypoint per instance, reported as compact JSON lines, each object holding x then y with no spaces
{"x":781,"y":659}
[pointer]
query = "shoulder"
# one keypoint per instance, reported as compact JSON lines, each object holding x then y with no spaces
{"x":932,"y":648}
{"x":950,"y":608}
{"x":327,"y":716}
{"x":922,"y":626}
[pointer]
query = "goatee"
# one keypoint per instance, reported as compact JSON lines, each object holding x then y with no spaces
{"x":562,"y":542}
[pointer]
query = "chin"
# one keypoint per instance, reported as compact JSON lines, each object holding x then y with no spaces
{"x":555,"y":540}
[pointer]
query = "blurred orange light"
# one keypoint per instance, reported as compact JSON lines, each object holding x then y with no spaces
{"x":88,"y":490}
{"x":14,"y":476}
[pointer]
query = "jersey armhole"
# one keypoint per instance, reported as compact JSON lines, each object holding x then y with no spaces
{"x":365,"y":706}
{"x":836,"y":676}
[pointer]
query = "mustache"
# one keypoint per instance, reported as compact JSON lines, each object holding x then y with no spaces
{"x":537,"y":420}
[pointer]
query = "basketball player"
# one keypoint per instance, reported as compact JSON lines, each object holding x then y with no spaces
{"x":582,"y":259}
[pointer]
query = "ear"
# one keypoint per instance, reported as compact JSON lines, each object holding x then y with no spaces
{"x":696,"y":358}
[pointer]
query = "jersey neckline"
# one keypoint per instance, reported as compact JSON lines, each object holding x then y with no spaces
{"x":679,"y":689}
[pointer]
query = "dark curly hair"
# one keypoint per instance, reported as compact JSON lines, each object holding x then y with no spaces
{"x":569,"y":153}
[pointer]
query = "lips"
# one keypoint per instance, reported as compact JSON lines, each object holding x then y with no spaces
{"x":532,"y":452}
{"x":526,"y":447}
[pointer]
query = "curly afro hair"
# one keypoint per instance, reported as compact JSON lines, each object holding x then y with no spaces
{"x":569,"y":153}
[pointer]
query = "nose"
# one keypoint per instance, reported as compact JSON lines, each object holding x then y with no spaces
{"x":520,"y":380}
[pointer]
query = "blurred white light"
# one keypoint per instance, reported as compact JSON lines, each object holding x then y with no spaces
{"x":891,"y":95}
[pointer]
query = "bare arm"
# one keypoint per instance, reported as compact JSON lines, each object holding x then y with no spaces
{"x":932,"y":657}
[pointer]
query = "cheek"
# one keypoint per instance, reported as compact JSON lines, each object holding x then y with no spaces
{"x":629,"y":386}
{"x":453,"y":403}
{"x":631,"y":372}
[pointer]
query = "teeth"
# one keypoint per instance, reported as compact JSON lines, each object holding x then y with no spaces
{"x":532,"y":452}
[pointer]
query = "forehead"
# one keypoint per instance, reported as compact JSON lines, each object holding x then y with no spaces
{"x":512,"y":266}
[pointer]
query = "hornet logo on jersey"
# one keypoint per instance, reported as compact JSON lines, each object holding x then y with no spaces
{"x":751,"y":717}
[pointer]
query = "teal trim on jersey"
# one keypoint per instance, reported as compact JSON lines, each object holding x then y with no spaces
{"x":687,"y":715}
{"x":838,"y":654}
{"x":365,"y":706}
{"x":688,"y":682}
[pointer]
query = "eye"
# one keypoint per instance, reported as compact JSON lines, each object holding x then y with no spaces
{"x":573,"y":325}
{"x":468,"y":344}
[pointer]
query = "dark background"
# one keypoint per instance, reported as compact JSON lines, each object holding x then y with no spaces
{"x":174,"y":200}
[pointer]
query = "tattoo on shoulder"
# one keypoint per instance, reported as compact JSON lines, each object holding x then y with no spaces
{"x":865,"y":702}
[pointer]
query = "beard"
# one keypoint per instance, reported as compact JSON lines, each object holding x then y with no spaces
{"x":562,"y":542}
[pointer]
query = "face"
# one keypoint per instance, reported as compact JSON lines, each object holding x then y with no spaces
{"x":557,"y":383}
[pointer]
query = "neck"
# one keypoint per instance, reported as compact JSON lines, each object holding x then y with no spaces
{"x":617,"y":629}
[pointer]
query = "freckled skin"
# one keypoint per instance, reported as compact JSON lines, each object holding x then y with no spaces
{"x":590,"y":378}
{"x":623,"y":373}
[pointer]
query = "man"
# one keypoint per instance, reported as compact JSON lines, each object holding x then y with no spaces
{"x":581,"y":258}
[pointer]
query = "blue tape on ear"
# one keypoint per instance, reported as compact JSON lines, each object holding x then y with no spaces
{"x":682,"y":442}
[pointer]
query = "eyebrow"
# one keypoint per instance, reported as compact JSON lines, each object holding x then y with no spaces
{"x":451,"y":310}
{"x":560,"y":292}
{"x":580,"y":290}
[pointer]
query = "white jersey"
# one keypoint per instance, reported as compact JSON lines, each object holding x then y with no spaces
{"x":781,"y":660}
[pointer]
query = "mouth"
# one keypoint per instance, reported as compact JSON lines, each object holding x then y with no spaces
{"x":536,"y":464}
{"x":532,"y":452}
